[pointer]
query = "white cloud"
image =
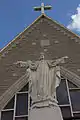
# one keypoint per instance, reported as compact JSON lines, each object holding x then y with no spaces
{"x":75,"y":21}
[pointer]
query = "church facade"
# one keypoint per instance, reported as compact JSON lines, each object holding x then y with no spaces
{"x":46,"y":36}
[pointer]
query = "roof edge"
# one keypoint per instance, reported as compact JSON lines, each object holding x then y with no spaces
{"x":21,"y":33}
{"x":42,"y":15}
{"x":62,"y":26}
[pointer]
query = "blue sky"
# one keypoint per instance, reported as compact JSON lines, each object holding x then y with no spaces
{"x":15,"y":15}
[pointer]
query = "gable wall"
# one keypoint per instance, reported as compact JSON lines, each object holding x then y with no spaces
{"x":23,"y":48}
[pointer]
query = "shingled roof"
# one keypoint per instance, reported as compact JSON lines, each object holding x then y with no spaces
{"x":43,"y":35}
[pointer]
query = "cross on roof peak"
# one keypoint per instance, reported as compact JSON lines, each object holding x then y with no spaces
{"x":42,"y":8}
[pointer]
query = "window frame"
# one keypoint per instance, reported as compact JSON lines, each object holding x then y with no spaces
{"x":64,"y":105}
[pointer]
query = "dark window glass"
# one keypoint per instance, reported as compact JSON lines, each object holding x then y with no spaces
{"x":77,"y":116}
{"x":10,"y":105}
{"x":30,"y":101}
{"x":62,"y":78}
{"x":7,"y":115}
{"x":21,"y":118}
{"x":22,"y":104}
{"x":66,"y":113}
{"x":75,"y":99}
{"x":25,"y":88}
{"x":62,"y":95}
{"x":71,"y":85}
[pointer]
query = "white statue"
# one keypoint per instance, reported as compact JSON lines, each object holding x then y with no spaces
{"x":44,"y":77}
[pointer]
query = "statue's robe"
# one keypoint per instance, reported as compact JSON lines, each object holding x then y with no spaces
{"x":44,"y":79}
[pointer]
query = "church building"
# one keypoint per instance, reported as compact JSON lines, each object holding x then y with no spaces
{"x":38,"y":49}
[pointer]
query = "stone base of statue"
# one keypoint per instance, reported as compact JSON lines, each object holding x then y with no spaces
{"x":45,"y":110}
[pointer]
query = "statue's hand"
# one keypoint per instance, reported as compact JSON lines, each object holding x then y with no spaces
{"x":66,"y":57}
{"x":63,"y":59}
{"x":20,"y":63}
{"x":59,"y":61}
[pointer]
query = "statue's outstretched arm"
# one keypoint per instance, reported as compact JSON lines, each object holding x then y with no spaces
{"x":59,"y":61}
{"x":22,"y":63}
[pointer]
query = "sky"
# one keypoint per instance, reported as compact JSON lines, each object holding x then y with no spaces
{"x":16,"y":15}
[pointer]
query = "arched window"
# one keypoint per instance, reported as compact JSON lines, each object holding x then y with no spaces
{"x":68,"y":96}
{"x":17,"y":108}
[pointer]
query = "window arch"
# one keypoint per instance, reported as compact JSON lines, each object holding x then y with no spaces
{"x":68,"y":96}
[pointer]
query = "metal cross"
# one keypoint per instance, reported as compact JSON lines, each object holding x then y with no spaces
{"x":42,"y":8}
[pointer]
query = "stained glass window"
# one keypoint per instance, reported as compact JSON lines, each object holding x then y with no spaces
{"x":17,"y":108}
{"x":68,"y":96}
{"x":62,"y":95}
{"x":22,"y":104}
{"x":21,"y":118}
{"x":7,"y":115}
{"x":25,"y":88}
{"x":71,"y":85}
{"x":75,"y":99}
{"x":66,"y":112}
{"x":77,"y":116}
{"x":10,"y":104}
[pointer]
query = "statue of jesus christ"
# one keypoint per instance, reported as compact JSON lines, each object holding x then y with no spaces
{"x":44,"y":77}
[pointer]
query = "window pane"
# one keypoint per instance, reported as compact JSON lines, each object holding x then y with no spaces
{"x":71,"y":85}
{"x":62,"y":95}
{"x":7,"y":115}
{"x":10,"y":105}
{"x":66,"y":112}
{"x":30,"y":101}
{"x":25,"y":88}
{"x":77,"y":116}
{"x":21,"y":118}
{"x":22,"y":104}
{"x":75,"y":99}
